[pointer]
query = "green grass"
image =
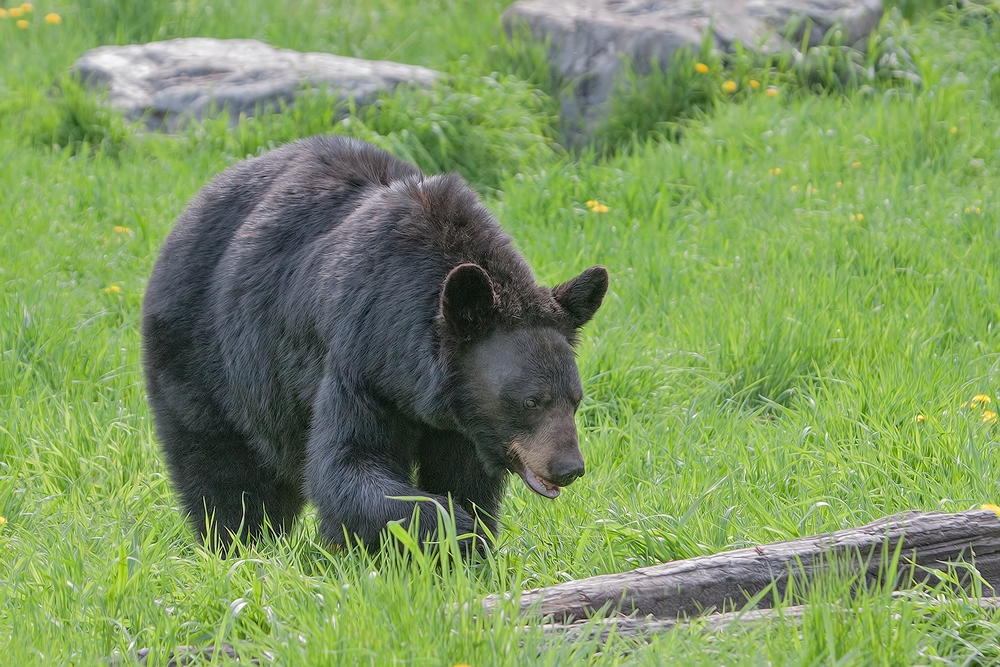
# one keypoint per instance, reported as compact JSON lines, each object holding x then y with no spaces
{"x":754,"y":374}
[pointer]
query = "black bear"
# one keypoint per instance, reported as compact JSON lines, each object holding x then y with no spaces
{"x":325,"y":322}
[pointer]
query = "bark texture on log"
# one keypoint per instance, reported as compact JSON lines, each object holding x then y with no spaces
{"x":726,"y":581}
{"x":647,"y":627}
{"x":644,"y":628}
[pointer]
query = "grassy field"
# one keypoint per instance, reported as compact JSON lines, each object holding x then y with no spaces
{"x":804,"y":301}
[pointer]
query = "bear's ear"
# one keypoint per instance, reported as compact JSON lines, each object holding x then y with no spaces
{"x":582,"y":296}
{"x":468,"y":302}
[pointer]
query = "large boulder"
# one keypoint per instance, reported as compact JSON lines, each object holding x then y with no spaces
{"x":589,"y":38}
{"x":165,"y":82}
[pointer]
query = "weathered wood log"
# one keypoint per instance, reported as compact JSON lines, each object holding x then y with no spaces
{"x":645,"y":628}
{"x":927,"y":542}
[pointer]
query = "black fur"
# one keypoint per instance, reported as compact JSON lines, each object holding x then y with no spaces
{"x":324,"y":319}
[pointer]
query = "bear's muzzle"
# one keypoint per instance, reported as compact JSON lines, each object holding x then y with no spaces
{"x":549,"y":459}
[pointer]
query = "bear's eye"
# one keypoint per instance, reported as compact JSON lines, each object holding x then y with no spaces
{"x":531,"y":403}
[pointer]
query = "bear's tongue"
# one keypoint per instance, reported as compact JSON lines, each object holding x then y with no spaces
{"x":539,"y":485}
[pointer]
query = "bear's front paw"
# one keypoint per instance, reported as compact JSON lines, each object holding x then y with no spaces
{"x":469,"y":533}
{"x":473,"y":535}
{"x":432,"y":521}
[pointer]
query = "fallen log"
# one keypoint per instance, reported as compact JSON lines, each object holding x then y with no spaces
{"x":926,"y":542}
{"x":645,"y":628}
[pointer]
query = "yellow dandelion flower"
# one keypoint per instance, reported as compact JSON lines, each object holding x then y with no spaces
{"x":2,"y":521}
{"x":989,"y":417}
{"x":954,"y":129}
{"x":53,"y":19}
{"x":919,"y":418}
{"x":795,"y":188}
{"x":991,"y":508}
{"x":856,"y":164}
{"x":755,"y":84}
{"x":729,"y":86}
{"x":771,"y":91}
{"x":113,"y":289}
{"x":839,"y":184}
{"x":591,"y":203}
{"x":701,"y":68}
{"x":122,"y":230}
{"x":968,"y":209}
{"x":22,"y":24}
{"x":860,"y":217}
{"x":27,"y":7}
{"x":15,"y":12}
{"x":977,"y":210}
{"x":600,"y":208}
{"x":977,"y":400}
{"x":3,"y":13}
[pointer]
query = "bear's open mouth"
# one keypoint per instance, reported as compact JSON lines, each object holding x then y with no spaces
{"x":536,"y":483}
{"x":540,"y":486}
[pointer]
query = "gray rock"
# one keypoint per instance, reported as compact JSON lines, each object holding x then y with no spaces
{"x":588,"y":38}
{"x":183,"y":78}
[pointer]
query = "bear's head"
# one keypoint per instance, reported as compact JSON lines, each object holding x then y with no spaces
{"x":515,"y":383}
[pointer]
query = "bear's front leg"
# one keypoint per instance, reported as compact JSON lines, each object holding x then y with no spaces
{"x":358,"y":460}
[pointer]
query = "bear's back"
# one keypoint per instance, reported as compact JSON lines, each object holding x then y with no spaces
{"x":304,"y":189}
{"x":335,"y":169}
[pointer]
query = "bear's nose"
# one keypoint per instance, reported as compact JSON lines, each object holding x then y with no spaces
{"x":565,"y":472}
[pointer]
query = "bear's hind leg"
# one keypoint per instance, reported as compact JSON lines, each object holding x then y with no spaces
{"x":225,"y":488}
